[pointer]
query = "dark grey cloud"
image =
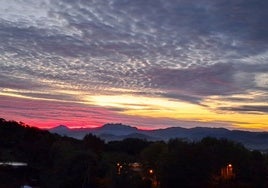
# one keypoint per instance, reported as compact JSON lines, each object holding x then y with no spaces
{"x":183,"y":97}
{"x":201,"y":81}
{"x":11,"y":82}
{"x":247,"y":109}
{"x":220,"y":79}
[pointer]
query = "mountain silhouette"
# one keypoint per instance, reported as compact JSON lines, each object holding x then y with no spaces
{"x":114,"y":131}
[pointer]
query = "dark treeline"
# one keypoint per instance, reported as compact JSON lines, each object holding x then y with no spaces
{"x":62,"y":162}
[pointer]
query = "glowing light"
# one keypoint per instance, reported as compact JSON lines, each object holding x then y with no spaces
{"x":156,"y":107}
{"x":129,"y":102}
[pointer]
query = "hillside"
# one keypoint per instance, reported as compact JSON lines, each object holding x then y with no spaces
{"x":110,"y":132}
{"x":50,"y":160}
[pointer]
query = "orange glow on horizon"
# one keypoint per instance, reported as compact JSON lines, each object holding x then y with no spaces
{"x":155,"y":107}
{"x":127,"y":109}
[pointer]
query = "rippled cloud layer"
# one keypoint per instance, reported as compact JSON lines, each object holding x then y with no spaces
{"x":211,"y":54}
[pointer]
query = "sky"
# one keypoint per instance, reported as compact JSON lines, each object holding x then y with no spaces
{"x":145,"y":63}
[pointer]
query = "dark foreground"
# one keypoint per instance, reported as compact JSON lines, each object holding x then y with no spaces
{"x":53,"y":161}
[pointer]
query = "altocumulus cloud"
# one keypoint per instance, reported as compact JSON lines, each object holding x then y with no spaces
{"x":179,"y":49}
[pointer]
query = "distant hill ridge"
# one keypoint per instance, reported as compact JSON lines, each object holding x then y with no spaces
{"x":118,"y":126}
{"x":118,"y":131}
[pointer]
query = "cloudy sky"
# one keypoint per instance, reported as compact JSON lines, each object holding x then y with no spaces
{"x":146,"y":63}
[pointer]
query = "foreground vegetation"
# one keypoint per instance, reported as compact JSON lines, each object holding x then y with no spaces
{"x":63,"y":162}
